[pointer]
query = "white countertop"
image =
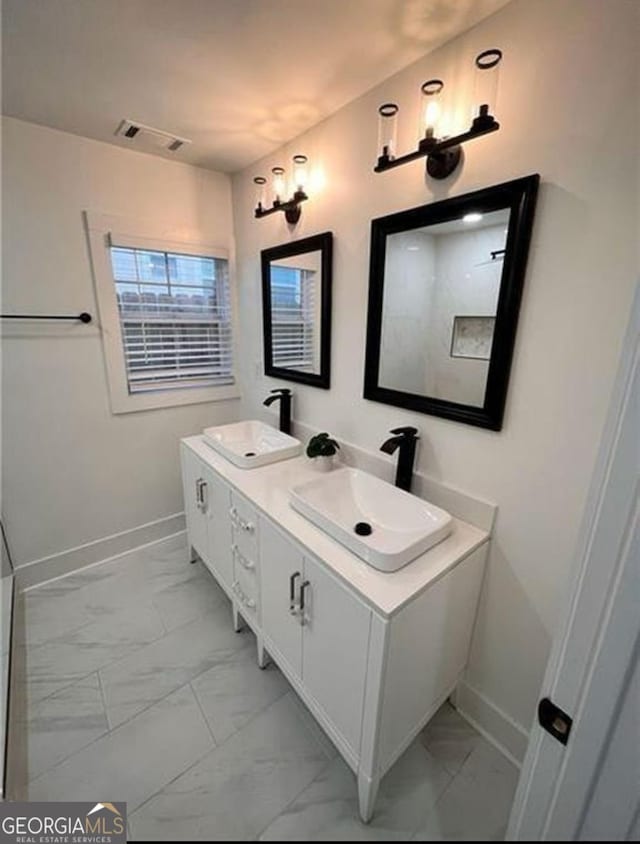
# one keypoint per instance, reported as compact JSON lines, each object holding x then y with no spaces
{"x":267,"y":487}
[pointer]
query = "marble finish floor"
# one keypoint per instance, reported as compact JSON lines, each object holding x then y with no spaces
{"x":135,"y":687}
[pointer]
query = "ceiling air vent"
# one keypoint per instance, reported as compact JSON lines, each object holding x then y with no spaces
{"x":150,"y":139}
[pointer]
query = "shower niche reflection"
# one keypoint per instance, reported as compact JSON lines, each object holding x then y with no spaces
{"x":444,"y":294}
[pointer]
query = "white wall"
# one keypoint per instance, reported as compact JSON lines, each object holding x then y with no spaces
{"x":72,"y":472}
{"x":568,"y":87}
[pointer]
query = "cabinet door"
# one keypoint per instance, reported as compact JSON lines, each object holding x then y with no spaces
{"x":334,"y":649}
{"x":217,"y":500}
{"x":281,"y":565}
{"x":192,"y":479}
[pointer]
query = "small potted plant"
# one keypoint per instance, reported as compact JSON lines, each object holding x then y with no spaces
{"x":321,"y":449}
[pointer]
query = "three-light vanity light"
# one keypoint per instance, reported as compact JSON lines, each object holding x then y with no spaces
{"x":282,"y":199}
{"x":441,"y":151}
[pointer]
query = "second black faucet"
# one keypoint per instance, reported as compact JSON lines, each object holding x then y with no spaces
{"x":284,"y":397}
{"x":405,"y":440}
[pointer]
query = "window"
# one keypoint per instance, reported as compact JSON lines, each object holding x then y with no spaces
{"x":175,"y":319}
{"x":293,"y":306}
{"x":165,"y":316}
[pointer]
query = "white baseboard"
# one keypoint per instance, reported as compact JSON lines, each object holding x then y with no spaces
{"x":509,"y":737}
{"x":64,"y":562}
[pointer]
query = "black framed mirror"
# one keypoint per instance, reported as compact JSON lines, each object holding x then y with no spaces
{"x":296,"y":310}
{"x":445,"y":287}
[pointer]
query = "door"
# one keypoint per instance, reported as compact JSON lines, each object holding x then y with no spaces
{"x":587,"y":785}
{"x":217,"y":500}
{"x":192,"y":481}
{"x":281,"y":574}
{"x":334,"y":649}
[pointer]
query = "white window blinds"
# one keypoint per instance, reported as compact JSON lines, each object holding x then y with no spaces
{"x":175,"y":317}
{"x":293,"y":316}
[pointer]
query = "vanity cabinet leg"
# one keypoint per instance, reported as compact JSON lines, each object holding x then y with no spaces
{"x":367,"y":793}
{"x":193,"y":557}
{"x":263,"y":656}
{"x":237,"y":618}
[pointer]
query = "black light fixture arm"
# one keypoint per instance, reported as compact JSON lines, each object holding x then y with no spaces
{"x":291,"y":208}
{"x":432,"y":149}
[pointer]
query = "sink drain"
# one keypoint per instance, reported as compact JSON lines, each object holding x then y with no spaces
{"x":363,"y":529}
{"x":249,"y":454}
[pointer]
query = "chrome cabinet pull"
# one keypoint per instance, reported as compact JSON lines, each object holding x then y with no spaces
{"x":303,"y":588}
{"x":293,"y":608}
{"x":244,"y":562}
{"x":204,"y":495}
{"x":199,"y":495}
{"x":239,"y":522}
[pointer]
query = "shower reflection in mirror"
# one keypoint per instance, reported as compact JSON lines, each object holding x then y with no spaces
{"x":441,"y":296}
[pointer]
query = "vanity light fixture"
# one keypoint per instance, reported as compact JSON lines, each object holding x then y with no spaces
{"x":279,"y":202}
{"x":441,"y":151}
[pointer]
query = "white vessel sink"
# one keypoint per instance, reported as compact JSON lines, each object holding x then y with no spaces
{"x":401,"y":526}
{"x":251,"y":444}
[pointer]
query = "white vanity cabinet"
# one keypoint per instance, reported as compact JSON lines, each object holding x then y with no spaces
{"x":207,"y":503}
{"x":372,"y":655}
{"x":317,"y":630}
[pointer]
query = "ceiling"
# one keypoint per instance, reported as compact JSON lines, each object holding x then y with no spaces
{"x":237,"y":77}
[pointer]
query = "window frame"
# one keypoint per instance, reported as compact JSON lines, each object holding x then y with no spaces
{"x":103,"y":232}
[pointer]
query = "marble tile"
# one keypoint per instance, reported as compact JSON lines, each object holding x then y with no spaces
{"x":233,"y":692}
{"x":240,"y":787}
{"x":328,"y":809}
{"x":136,"y":760}
{"x":53,"y":666}
{"x":476,"y":805}
{"x":187,"y":598}
{"x":64,"y":723}
{"x":140,"y":680}
{"x":449,"y":738}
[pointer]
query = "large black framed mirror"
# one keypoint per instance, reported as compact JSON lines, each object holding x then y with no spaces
{"x":296,"y":310}
{"x":445,"y":287}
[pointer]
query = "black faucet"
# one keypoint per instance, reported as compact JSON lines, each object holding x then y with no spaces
{"x":405,"y":439}
{"x":284,"y":397}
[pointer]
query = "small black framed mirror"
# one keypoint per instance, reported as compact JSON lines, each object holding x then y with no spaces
{"x":296,"y":310}
{"x":445,"y":287}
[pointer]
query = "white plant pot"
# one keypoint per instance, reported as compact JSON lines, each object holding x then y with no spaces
{"x":323,"y":464}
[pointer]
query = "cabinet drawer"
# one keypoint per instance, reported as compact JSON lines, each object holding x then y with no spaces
{"x":248,"y":581}
{"x":244,"y":519}
{"x":242,"y":560}
{"x":248,"y":603}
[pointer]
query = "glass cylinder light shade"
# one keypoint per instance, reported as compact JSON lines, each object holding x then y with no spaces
{"x":430,"y":107}
{"x":278,"y":185}
{"x":260,"y":184}
{"x":300,"y":173}
{"x":487,"y":73}
{"x":387,"y":129}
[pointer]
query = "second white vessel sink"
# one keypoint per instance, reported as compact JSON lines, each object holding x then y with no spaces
{"x":251,"y":444}
{"x":384,"y":525}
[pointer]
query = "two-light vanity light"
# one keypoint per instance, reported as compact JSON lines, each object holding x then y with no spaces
{"x":279,"y":201}
{"x":442,"y":152}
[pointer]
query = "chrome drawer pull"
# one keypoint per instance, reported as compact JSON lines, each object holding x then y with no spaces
{"x":244,"y":562}
{"x":293,"y":607}
{"x":303,"y":588}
